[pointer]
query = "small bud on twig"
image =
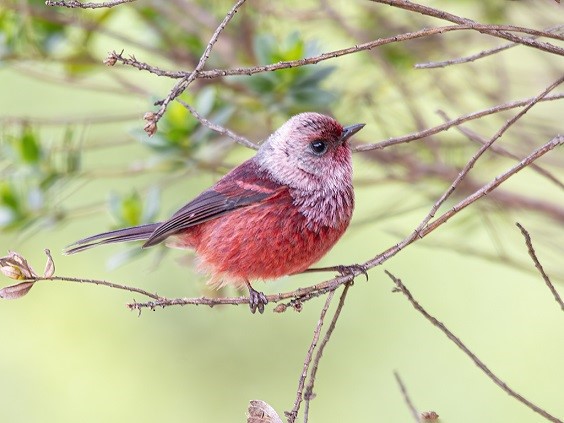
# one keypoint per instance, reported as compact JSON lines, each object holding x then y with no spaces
{"x":111,"y":59}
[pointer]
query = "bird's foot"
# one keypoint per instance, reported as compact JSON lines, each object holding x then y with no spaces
{"x":351,"y":269}
{"x":257,"y":300}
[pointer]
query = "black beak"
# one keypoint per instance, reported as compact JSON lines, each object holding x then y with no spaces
{"x":349,"y":131}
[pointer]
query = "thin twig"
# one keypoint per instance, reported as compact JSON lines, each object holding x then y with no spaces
{"x":114,"y":57}
{"x":473,"y":57}
{"x":425,"y":225}
{"x":406,"y":398}
{"x":486,"y":189}
{"x":470,"y":164}
{"x":219,"y":129}
{"x":481,"y":365}
{"x":99,"y":282}
{"x":72,"y":4}
{"x":493,"y":30}
{"x":454,"y":122}
{"x":538,"y":265}
{"x":473,"y":136}
{"x":308,"y":394}
{"x":293,"y":414}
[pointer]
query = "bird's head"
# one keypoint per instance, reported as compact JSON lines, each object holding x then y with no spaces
{"x":310,"y":151}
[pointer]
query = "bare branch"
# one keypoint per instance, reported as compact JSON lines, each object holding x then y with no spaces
{"x":217,"y":73}
{"x":114,"y":57}
{"x":73,"y":4}
{"x":293,"y":414}
{"x":455,"y":122}
{"x":481,"y":365}
{"x":308,"y":394}
{"x":425,"y":227}
{"x":219,"y":129}
{"x":481,"y":151}
{"x":98,"y":282}
{"x":406,"y":398}
{"x":473,"y":57}
{"x":496,"y":31}
{"x":538,"y":265}
{"x":503,"y":152}
{"x":486,"y":189}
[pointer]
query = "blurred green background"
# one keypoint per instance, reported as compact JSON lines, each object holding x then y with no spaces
{"x":75,"y":161}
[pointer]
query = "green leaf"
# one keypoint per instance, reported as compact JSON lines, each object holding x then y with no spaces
{"x":30,"y":151}
{"x":8,"y":197}
{"x":315,"y":77}
{"x":131,"y":209}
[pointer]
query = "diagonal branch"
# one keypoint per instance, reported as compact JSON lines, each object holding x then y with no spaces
{"x":485,"y":29}
{"x":454,"y":122}
{"x":473,"y":57}
{"x":181,"y":86}
{"x":407,"y":398}
{"x":473,"y":136}
{"x":293,"y":414}
{"x":481,"y":365}
{"x":470,"y":164}
{"x":308,"y":394}
{"x":538,"y":265}
{"x":220,"y":129}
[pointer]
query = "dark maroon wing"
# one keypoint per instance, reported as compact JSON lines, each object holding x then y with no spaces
{"x":242,"y":187}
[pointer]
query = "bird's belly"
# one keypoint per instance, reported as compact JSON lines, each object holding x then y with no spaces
{"x":259,"y":242}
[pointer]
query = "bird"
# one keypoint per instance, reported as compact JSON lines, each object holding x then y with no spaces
{"x":274,"y":215}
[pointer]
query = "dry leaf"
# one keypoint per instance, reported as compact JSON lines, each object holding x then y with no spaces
{"x":15,"y":291}
{"x":260,"y":412}
{"x":429,"y":416}
{"x":16,"y":267}
{"x":49,"y":266}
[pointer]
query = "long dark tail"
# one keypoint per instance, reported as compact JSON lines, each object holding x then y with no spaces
{"x":135,"y":233}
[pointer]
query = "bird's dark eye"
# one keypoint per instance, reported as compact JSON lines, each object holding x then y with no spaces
{"x":318,"y":147}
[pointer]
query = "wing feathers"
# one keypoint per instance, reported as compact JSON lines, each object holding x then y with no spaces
{"x":245,"y":185}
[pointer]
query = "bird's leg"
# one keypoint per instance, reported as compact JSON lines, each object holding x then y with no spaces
{"x":256,"y":299}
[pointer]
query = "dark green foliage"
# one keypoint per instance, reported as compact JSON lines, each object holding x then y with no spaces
{"x":293,"y":90}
